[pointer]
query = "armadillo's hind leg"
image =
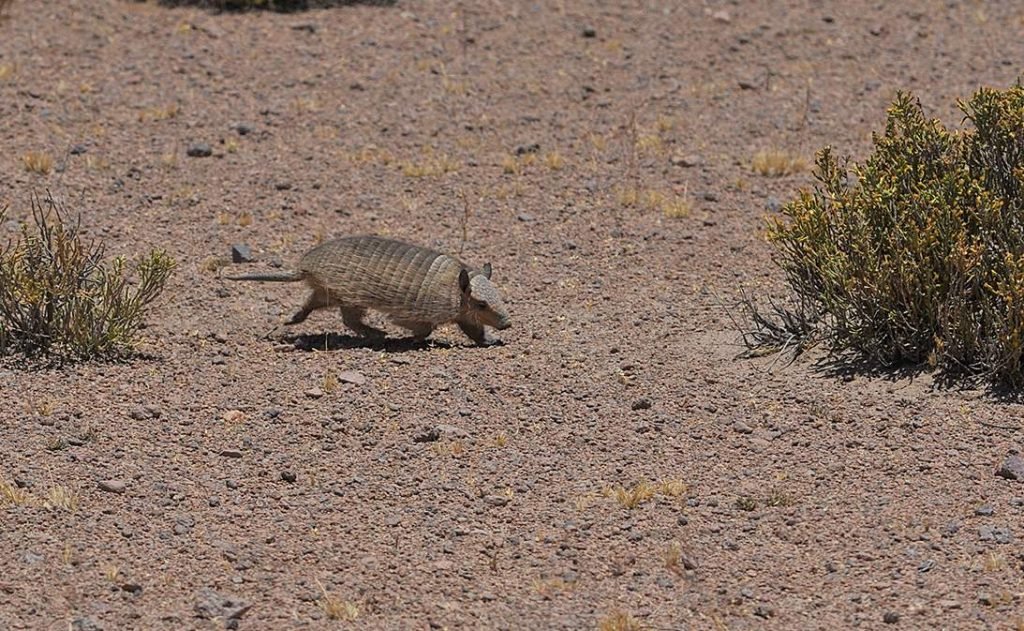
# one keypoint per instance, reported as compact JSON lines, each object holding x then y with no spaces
{"x":420,"y":330}
{"x":353,"y":317}
{"x":317,"y":300}
{"x":477,"y":333}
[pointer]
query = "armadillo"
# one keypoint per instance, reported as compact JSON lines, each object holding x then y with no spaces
{"x":418,"y":288}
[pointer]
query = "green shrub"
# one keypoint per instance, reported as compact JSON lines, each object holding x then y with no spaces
{"x":917,"y":255}
{"x":58,"y":298}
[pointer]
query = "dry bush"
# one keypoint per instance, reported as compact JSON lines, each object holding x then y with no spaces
{"x":59,"y":299}
{"x":918,"y":257}
{"x":777,"y":163}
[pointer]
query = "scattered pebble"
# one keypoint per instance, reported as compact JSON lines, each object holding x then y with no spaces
{"x":209,"y":605}
{"x":314,"y":393}
{"x":525,"y":217}
{"x":891,"y":617}
{"x":289,"y":476}
{"x":351,"y":376}
{"x":231,"y":453}
{"x":85,"y":623}
{"x":241,"y":253}
{"x":78,"y":150}
{"x":243,"y":129}
{"x":233,"y":416}
{"x":995,"y":533}
{"x":112,"y":486}
{"x":589,"y":31}
{"x":773,"y":204}
{"x":984,"y":511}
{"x":199,"y":150}
{"x":642,"y":403}
{"x":530,"y":148}
{"x":496,"y":500}
{"x":686,"y":162}
{"x":1012,"y":468}
{"x":742,"y":427}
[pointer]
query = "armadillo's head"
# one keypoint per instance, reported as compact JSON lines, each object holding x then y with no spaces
{"x":481,"y":301}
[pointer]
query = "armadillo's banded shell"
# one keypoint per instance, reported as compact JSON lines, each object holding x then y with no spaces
{"x":406,"y":281}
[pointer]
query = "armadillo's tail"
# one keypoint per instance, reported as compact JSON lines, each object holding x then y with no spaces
{"x":280,"y":277}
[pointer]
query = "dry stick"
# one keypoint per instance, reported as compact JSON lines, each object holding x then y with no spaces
{"x":464,"y":223}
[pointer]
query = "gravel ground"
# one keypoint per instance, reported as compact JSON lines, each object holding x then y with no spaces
{"x":613,"y":460}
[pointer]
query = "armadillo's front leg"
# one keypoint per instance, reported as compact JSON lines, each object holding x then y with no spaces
{"x":353,"y":318}
{"x":478,"y":334}
{"x":420,"y":330}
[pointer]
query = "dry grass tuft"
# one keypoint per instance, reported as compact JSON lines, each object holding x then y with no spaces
{"x":62,"y":498}
{"x":431,"y":165}
{"x":37,"y":162}
{"x":335,"y":608}
{"x":777,"y":163}
{"x":619,"y":621}
{"x":11,"y":494}
{"x":644,"y":491}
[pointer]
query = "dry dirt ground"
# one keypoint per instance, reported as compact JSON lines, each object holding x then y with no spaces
{"x":308,"y":479}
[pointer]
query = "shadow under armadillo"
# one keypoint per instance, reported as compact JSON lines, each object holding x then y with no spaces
{"x":338,"y":341}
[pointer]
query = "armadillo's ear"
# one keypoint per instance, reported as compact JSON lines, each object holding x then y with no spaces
{"x":464,"y":281}
{"x":487,"y":271}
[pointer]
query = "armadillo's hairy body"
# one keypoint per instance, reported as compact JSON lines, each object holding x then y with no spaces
{"x":417,"y":287}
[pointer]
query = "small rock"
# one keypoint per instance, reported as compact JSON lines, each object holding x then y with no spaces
{"x":773,"y":204}
{"x":132,"y":588}
{"x":525,"y":217}
{"x":31,"y":558}
{"x":242,"y":129}
{"x":112,"y":486}
{"x":1012,"y":468}
{"x":642,"y":403}
{"x":530,"y":148}
{"x":710,"y":196}
{"x":85,"y":623}
{"x":199,"y":150}
{"x":289,"y":476}
{"x":742,"y":427}
{"x":984,"y":511}
{"x":231,"y":453}
{"x":283,"y":186}
{"x":210,"y":605}
{"x":746,"y":84}
{"x":241,"y":253}
{"x":314,"y":393}
{"x":985,"y":599}
{"x":763,"y":611}
{"x":722,"y":16}
{"x":996,"y":534}
{"x":139,"y":413}
{"x":78,"y":150}
{"x":496,"y":500}
{"x":686,"y":161}
{"x":351,"y":376}
{"x":233,"y":416}
{"x":589,"y":32}
{"x":890,"y":617}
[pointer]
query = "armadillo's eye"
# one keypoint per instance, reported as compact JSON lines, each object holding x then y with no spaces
{"x":480,"y":304}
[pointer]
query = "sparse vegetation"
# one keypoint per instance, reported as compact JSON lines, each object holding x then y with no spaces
{"x":58,"y":298}
{"x":644,"y":491}
{"x":777,"y":163}
{"x":335,"y":608}
{"x":619,"y":621}
{"x":37,"y":162}
{"x":431,"y":165}
{"x":60,"y":497}
{"x":12,"y":494}
{"x":919,"y":257}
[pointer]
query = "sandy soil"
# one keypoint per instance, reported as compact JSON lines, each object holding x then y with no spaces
{"x":228,"y":480}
